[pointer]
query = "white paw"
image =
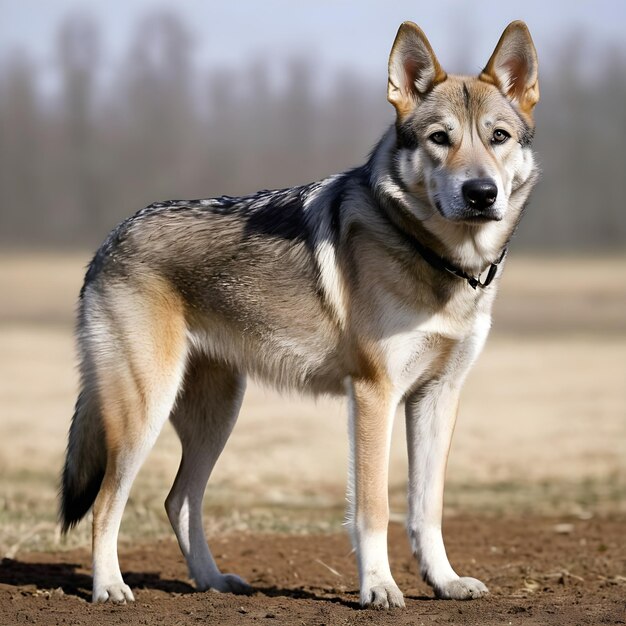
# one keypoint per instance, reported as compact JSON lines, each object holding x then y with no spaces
{"x":382,"y":596}
{"x":225,"y":583}
{"x":118,"y":593}
{"x":461,"y":589}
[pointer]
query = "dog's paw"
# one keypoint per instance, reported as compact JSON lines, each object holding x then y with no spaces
{"x":382,"y":596}
{"x":118,"y":593}
{"x":461,"y":589}
{"x":226,"y":583}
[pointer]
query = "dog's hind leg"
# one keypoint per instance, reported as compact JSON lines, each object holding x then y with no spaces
{"x":430,"y":418}
{"x":204,"y":418}
{"x":137,"y":337}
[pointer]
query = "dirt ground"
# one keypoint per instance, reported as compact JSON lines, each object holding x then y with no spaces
{"x":538,"y":572}
{"x":535,"y":496}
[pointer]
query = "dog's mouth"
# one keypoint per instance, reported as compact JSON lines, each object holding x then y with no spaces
{"x":470,"y":215}
{"x":480,"y":217}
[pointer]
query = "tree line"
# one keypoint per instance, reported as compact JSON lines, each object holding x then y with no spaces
{"x":74,"y":163}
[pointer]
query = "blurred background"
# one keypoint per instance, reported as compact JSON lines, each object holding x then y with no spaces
{"x":107,"y":107}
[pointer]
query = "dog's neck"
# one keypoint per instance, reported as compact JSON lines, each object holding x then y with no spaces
{"x":472,"y":248}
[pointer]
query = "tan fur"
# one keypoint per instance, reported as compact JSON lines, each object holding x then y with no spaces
{"x":151,"y":334}
{"x":374,"y":407}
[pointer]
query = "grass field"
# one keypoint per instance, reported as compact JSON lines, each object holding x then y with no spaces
{"x":542,"y":426}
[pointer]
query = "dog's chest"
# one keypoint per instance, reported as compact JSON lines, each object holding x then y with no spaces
{"x":419,"y":347}
{"x":412,"y":357}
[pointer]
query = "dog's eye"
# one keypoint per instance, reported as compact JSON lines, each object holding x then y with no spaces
{"x":499,"y":136}
{"x":440,"y":138}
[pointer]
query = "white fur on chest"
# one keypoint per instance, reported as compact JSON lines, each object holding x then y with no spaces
{"x":414,"y":345}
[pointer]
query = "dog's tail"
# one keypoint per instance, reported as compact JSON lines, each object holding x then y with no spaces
{"x":85,"y":461}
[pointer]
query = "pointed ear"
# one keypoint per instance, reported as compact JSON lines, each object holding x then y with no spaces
{"x":513,"y":67}
{"x":413,"y":68}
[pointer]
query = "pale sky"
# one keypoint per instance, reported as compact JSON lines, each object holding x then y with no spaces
{"x":338,"y":33}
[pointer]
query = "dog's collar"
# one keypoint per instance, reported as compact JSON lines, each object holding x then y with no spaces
{"x":442,"y":264}
{"x":438,"y":262}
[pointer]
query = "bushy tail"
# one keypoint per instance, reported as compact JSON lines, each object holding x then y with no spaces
{"x":85,"y":462}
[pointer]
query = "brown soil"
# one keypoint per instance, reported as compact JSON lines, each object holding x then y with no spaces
{"x":539,"y":570}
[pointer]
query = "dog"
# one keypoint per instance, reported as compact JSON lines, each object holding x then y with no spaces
{"x":376,"y":283}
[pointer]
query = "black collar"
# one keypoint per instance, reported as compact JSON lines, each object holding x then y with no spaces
{"x":442,"y":264}
{"x":439,"y":263}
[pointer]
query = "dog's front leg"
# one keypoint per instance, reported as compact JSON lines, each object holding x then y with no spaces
{"x":430,"y":418}
{"x":372,"y":409}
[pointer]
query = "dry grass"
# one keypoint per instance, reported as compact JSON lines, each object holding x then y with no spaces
{"x":542,"y":424}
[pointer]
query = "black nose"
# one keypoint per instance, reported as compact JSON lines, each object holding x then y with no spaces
{"x":480,"y":193}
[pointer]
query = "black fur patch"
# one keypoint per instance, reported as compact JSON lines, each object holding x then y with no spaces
{"x":76,"y":500}
{"x":84,"y":468}
{"x":335,"y":209}
{"x":277,"y":213}
{"x":406,"y":136}
{"x":281,"y":214}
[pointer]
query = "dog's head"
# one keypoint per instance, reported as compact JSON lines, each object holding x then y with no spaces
{"x":464,"y":141}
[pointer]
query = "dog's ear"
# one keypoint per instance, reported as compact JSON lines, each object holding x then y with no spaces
{"x":513,"y":67}
{"x":413,"y":68}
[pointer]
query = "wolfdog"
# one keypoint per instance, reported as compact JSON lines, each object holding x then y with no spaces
{"x":377,"y":283}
